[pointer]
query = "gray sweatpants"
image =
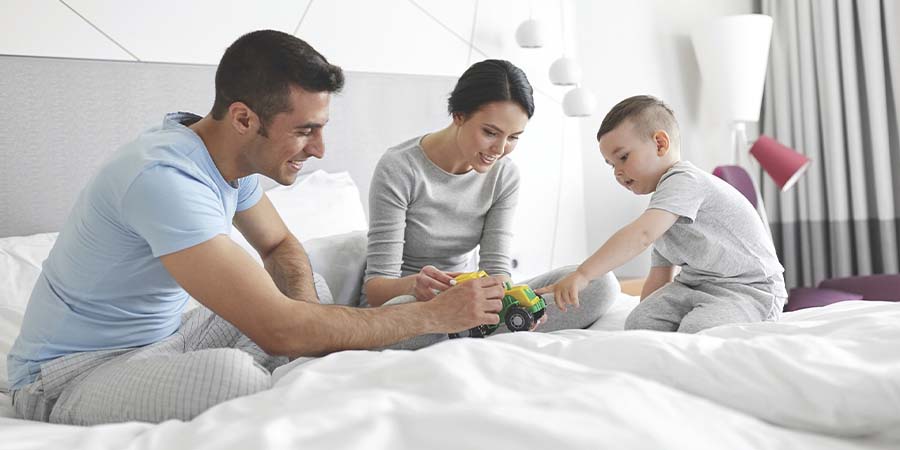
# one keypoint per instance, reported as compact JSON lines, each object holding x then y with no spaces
{"x":687,"y":309}
{"x":594,"y":301}
{"x":206,"y":362}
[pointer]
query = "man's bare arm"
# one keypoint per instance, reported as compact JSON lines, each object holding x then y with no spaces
{"x":282,"y":254}
{"x":224,"y":278}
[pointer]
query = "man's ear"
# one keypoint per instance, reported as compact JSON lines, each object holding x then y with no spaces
{"x":242,"y":118}
{"x":662,"y":142}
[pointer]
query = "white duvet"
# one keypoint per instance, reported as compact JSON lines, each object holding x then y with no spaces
{"x":824,"y":378}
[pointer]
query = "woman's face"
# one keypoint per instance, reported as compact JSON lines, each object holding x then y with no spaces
{"x":489,"y":133}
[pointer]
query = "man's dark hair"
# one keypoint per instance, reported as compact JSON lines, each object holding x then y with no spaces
{"x":647,"y":113}
{"x":259,"y":68}
{"x":491,"y":80}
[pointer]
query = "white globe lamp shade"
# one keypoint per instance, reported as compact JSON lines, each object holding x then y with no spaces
{"x":530,"y":34}
{"x":565,"y":72}
{"x":732,"y":53}
{"x":579,"y":102}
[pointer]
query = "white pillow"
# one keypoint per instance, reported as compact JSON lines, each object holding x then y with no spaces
{"x":10,"y":323}
{"x":341,"y":260}
{"x":317,"y":205}
{"x":21,"y":258}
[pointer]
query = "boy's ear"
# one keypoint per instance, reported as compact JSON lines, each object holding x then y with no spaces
{"x":662,"y":142}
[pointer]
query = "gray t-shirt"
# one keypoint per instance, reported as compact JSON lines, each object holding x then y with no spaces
{"x":718,"y":238}
{"x":420,"y":214}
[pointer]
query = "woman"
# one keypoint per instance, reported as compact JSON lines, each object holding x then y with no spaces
{"x":437,"y":197}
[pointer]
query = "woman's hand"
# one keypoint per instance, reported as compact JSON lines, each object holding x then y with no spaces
{"x":429,"y":282}
{"x":565,"y":291}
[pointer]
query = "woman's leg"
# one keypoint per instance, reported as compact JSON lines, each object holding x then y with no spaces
{"x":595,"y":300}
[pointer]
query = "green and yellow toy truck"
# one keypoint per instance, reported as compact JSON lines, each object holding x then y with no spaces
{"x":521,"y":307}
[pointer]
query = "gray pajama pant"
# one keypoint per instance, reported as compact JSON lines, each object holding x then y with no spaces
{"x":594,"y":301}
{"x":206,"y":362}
{"x":689,"y":309}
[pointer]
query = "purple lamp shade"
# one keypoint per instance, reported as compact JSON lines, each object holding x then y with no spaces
{"x":782,"y":163}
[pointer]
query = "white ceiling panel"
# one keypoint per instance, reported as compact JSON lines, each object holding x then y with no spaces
{"x":49,"y":28}
{"x":391,"y":35}
{"x":196,"y":31}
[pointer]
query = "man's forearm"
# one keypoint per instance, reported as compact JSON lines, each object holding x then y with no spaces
{"x":289,"y":267}
{"x":335,"y":328}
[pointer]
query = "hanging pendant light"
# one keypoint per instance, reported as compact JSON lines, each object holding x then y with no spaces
{"x":530,"y":34}
{"x":565,"y":72}
{"x":579,"y":102}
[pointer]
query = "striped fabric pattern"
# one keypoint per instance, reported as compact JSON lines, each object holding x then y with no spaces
{"x":833,"y":93}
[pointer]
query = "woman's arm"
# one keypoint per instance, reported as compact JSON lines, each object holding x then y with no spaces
{"x":389,"y":197}
{"x":496,"y":236}
{"x":424,"y":285}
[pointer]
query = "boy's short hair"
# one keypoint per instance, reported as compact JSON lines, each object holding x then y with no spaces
{"x":648,"y":114}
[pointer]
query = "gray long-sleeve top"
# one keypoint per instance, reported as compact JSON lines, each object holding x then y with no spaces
{"x":420,"y":214}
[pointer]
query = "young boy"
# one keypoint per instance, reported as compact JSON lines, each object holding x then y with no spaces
{"x":729,"y":270}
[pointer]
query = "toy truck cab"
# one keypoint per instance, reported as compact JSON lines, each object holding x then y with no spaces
{"x":521,"y":307}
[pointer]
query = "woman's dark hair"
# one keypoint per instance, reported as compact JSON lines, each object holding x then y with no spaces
{"x":491,"y":80}
{"x":259,"y":68}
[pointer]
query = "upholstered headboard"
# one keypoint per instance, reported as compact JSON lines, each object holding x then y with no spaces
{"x":60,"y":118}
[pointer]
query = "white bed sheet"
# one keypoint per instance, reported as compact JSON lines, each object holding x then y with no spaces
{"x":824,"y":378}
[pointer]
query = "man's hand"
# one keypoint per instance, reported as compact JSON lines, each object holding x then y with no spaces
{"x":429,"y":282}
{"x":565,"y":291}
{"x":473,"y":303}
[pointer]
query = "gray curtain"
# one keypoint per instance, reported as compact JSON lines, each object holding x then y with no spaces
{"x":833,"y":93}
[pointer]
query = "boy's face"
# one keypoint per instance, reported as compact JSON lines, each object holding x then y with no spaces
{"x":638,"y":161}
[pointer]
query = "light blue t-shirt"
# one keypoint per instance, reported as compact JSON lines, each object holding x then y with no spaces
{"x":103,"y":285}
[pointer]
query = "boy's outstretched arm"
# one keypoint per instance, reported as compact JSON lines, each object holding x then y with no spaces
{"x":624,"y":245}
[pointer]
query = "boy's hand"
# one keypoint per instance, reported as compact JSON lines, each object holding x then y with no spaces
{"x":565,"y":291}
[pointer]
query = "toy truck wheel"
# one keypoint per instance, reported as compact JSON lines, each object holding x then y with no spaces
{"x":517,"y":319}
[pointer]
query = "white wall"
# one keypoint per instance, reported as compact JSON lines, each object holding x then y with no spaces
{"x":392,"y":36}
{"x":625,"y":48}
{"x":643,"y":47}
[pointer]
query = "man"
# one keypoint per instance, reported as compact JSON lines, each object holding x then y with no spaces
{"x":104,"y":340}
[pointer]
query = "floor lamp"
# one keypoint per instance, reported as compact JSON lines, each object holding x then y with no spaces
{"x":733,"y":53}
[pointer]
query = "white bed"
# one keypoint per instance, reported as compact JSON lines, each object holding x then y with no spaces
{"x":827,"y":378}
{"x":823,"y":378}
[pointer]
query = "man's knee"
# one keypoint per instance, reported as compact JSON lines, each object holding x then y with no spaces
{"x":227,"y":374}
{"x":236,"y":373}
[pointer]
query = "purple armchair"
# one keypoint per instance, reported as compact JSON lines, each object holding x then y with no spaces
{"x":738,"y":177}
{"x":869,"y":287}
